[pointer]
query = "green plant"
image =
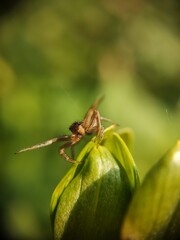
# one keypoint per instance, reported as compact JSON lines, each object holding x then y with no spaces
{"x":101,"y":197}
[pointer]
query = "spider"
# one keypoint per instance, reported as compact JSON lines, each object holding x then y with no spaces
{"x":91,"y":124}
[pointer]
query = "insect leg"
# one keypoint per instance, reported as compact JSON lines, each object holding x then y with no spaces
{"x":63,"y":154}
{"x":100,"y":128}
{"x":95,"y":126}
{"x":72,"y":152}
{"x":108,"y":120}
{"x":89,"y":116}
{"x":44,"y":144}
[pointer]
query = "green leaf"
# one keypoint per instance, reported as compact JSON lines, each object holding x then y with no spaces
{"x":121,"y":153}
{"x":67,"y":178}
{"x":127,"y":135}
{"x":91,"y":200}
{"x":154,"y":212}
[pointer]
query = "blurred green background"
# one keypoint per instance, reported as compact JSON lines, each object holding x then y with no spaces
{"x":56,"y":58}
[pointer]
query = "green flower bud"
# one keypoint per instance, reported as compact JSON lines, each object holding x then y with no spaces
{"x":90,"y":201}
{"x":154,"y":212}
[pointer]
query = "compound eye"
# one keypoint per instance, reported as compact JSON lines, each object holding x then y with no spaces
{"x":75,"y":127}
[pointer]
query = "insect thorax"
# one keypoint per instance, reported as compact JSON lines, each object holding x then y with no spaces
{"x":75,"y":127}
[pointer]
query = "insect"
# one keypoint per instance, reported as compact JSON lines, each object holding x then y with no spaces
{"x":91,"y":124}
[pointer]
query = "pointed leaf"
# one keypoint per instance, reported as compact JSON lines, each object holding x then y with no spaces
{"x":154,"y":210}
